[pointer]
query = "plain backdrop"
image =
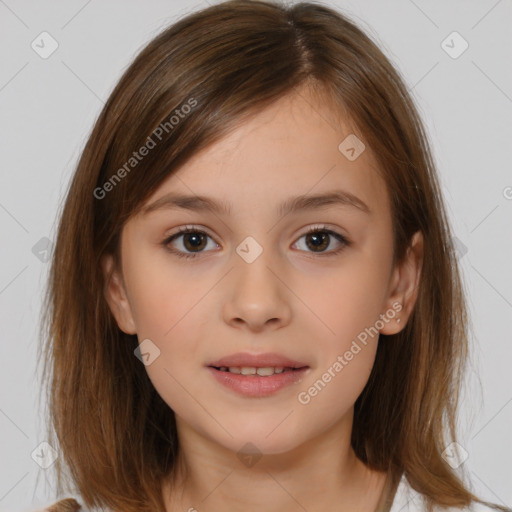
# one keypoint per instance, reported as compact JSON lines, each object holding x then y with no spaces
{"x":47,"y":109}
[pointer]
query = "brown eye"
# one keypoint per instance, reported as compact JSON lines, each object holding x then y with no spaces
{"x":190,"y":243}
{"x":187,"y":243}
{"x":318,"y":239}
{"x":194,"y":241}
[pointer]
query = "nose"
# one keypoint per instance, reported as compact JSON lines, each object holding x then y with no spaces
{"x":256,"y":298}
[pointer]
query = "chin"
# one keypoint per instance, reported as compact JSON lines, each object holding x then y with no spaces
{"x":264,"y":437}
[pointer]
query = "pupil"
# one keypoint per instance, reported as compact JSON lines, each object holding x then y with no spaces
{"x":196,"y":240}
{"x":319,"y":241}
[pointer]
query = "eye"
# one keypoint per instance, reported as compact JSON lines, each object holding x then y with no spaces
{"x":193,"y":240}
{"x":319,"y":238}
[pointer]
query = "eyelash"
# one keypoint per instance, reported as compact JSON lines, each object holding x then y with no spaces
{"x":314,"y":229}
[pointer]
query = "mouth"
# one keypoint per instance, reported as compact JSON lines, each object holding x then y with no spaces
{"x":257,"y":375}
{"x":264,"y":360}
{"x":265,"y":371}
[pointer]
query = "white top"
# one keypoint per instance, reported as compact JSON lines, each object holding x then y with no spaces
{"x":408,"y":500}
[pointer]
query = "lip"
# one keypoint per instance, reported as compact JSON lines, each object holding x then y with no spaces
{"x":256,"y":385}
{"x":257,"y":360}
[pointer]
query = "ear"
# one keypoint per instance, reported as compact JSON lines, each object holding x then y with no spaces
{"x":404,"y":286}
{"x":115,"y":295}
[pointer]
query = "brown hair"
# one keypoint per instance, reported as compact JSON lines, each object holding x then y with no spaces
{"x":116,"y":435}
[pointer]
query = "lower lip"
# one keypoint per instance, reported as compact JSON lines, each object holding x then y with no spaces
{"x":256,"y":385}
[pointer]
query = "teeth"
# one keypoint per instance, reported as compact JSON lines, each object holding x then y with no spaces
{"x":247,"y":370}
{"x":265,"y":372}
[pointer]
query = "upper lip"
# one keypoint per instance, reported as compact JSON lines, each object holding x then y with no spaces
{"x":268,"y":359}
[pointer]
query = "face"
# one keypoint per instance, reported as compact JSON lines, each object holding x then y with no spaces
{"x":302,"y":289}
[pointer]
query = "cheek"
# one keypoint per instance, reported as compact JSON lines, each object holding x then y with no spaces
{"x":169,"y":309}
{"x":346,"y":352}
{"x":345,"y":300}
{"x":161,"y":294}
{"x":345,"y":306}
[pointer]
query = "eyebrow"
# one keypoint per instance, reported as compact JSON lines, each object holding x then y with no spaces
{"x":293,"y":204}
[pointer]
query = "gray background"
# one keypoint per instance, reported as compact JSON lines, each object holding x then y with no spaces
{"x":47,"y":109}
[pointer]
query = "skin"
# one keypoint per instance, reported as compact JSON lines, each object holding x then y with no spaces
{"x":291,"y":300}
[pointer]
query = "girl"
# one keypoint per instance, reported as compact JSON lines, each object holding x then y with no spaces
{"x":254,"y":301}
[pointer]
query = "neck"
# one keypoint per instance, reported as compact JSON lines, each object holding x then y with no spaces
{"x":320,"y":474}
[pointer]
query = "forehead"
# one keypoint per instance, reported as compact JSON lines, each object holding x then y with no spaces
{"x":299,"y":145}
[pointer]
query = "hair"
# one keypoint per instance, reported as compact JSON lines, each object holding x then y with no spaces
{"x":117,"y":437}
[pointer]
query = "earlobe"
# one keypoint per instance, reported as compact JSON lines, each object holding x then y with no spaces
{"x":115,"y":295}
{"x":405,"y":286}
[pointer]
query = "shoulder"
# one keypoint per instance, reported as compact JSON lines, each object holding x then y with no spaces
{"x":66,"y":505}
{"x":409,"y":500}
